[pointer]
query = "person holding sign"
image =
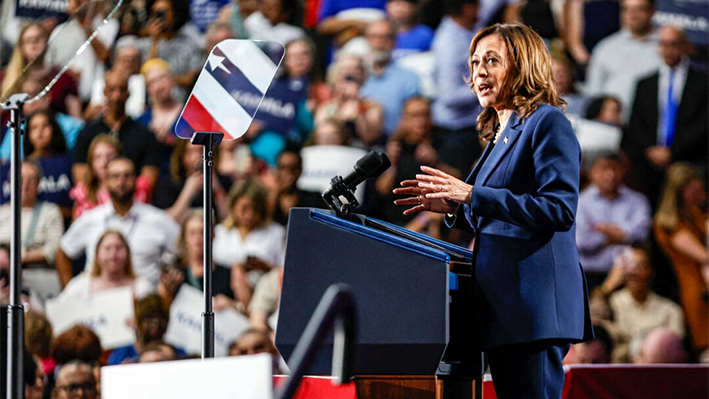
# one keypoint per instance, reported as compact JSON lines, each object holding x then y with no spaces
{"x":520,"y":201}
{"x":112,"y":268}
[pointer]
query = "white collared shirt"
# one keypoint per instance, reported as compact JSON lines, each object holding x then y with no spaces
{"x":149,"y":231}
{"x":680,"y":78}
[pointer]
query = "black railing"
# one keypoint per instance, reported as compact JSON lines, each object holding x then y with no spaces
{"x":336,"y":310}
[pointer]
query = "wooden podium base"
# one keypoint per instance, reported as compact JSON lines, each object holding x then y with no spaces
{"x":416,"y":387}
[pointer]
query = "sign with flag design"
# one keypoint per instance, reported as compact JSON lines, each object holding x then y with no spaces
{"x":230,"y":88}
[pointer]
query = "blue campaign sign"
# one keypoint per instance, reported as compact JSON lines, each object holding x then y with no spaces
{"x":690,"y":15}
{"x":41,"y":9}
{"x":54,"y":185}
{"x":230,"y":88}
{"x":279,"y":106}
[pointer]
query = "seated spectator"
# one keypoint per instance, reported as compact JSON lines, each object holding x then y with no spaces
{"x":248,"y":240}
{"x":189,"y":267}
{"x":158,"y":351}
{"x":138,"y":142}
{"x":387,"y":84}
{"x":363,"y":118}
{"x":411,"y":37}
{"x":151,"y":317}
{"x":166,"y":39}
{"x":288,"y":170}
{"x":93,"y":190}
{"x":662,"y":346}
{"x":76,"y":379}
{"x":38,"y":339}
{"x":605,"y":109}
{"x":609,"y":214}
{"x":33,"y":375}
{"x":76,"y":343}
{"x":127,"y":59}
{"x":41,"y":228}
{"x":28,"y":63}
{"x":162,"y":113}
{"x":576,"y":103}
{"x":149,"y":231}
{"x":680,"y":227}
{"x":278,"y":22}
{"x":182,"y":188}
{"x":252,"y":342}
{"x":111,"y":269}
{"x":637,"y":309}
{"x":596,"y":351}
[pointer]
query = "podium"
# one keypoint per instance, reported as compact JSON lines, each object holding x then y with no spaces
{"x":413,"y":296}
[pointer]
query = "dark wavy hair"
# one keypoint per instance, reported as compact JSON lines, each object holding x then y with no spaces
{"x":57,"y":145}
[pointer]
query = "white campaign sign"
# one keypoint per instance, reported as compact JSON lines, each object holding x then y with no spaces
{"x":105,"y":313}
{"x":185,"y":327}
{"x":323,"y":162}
{"x":243,"y":377}
{"x":596,"y":136}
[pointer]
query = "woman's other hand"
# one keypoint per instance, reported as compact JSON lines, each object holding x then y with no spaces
{"x":419,"y":200}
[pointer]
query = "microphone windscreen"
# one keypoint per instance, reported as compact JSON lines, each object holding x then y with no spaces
{"x":369,"y":164}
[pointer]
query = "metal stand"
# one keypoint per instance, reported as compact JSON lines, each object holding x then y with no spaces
{"x":209,"y":140}
{"x":15,"y":310}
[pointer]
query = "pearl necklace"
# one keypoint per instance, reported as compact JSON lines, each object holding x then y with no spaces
{"x":500,"y":128}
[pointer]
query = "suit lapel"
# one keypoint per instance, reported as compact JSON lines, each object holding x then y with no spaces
{"x":479,"y":164}
{"x":504,"y":144}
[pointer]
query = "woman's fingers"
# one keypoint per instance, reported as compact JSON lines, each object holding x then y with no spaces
{"x":414,"y":210}
{"x":435,"y":172}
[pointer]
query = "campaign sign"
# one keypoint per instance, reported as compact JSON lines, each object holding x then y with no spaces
{"x":105,"y":313}
{"x":54,"y":185}
{"x":230,"y":88}
{"x":185,"y":327}
{"x":243,"y":377}
{"x":41,"y":9}
{"x":323,"y":162}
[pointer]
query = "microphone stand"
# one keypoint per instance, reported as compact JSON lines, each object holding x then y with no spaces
{"x":209,"y":140}
{"x":15,"y":310}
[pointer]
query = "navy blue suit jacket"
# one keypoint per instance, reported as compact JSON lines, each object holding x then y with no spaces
{"x":529,"y":283}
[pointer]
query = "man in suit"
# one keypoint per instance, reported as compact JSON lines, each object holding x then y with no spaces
{"x":670,"y":115}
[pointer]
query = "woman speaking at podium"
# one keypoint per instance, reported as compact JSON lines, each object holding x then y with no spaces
{"x":520,"y":201}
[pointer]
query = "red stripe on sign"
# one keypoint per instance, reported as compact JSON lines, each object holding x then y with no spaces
{"x":200,"y":119}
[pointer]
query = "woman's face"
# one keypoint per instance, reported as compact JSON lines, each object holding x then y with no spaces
{"x":112,"y":255}
{"x":33,"y":43}
{"x":192,"y":160}
{"x":159,"y":84}
{"x":694,"y":193}
{"x":40,"y":131}
{"x":245,"y":214}
{"x":417,"y":120}
{"x":163,"y":9}
{"x":489,"y":72}
{"x":327,"y":134}
{"x":103,"y":154}
{"x":193,"y":235}
{"x":298,"y":61}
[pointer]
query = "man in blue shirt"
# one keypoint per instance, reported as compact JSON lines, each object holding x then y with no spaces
{"x":387,"y":84}
{"x":411,"y":38}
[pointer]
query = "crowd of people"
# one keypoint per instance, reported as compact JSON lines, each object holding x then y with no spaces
{"x":111,"y":197}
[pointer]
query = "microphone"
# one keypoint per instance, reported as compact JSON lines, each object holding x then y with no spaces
{"x":371,"y":165}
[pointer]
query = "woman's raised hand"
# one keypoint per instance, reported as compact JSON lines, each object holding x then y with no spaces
{"x":435,"y":191}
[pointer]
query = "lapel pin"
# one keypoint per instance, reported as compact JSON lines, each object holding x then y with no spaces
{"x":505,"y":140}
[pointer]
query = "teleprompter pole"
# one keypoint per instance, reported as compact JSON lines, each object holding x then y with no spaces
{"x":209,"y":140}
{"x":15,"y":310}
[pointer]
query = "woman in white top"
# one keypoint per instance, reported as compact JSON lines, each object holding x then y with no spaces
{"x":248,"y":240}
{"x":112,"y":268}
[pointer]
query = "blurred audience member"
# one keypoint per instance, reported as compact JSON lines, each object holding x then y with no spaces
{"x":85,"y":17}
{"x":587,"y":22}
{"x":165,"y":39}
{"x":127,"y":60}
{"x":76,"y":380}
{"x":387,"y":84}
{"x":42,"y":227}
{"x":157,"y":351}
{"x":346,"y":20}
{"x":411,"y":37}
{"x":149,"y":231}
{"x":138,"y":142}
{"x":235,"y":13}
{"x":248,"y":240}
{"x":288,"y":170}
{"x":252,"y":342}
{"x":34,"y":377}
{"x":455,"y":108}
{"x":44,"y":137}
{"x":182,"y":188}
{"x":76,"y":343}
{"x":637,"y":309}
{"x":29,"y":62}
{"x":605,"y":109}
{"x":264,"y":304}
{"x":29,"y":298}
{"x":151,"y":317}
{"x":680,"y":226}
{"x":363,"y":118}
{"x":609,"y":74}
{"x":596,"y":351}
{"x":38,"y":339}
{"x":670,"y":116}
{"x":329,"y":131}
{"x":609,"y":215}
{"x":111,"y":269}
{"x":563,"y":78}
{"x":662,"y":346}
{"x":93,"y":190}
{"x":279,"y":24}
{"x":497,"y":11}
